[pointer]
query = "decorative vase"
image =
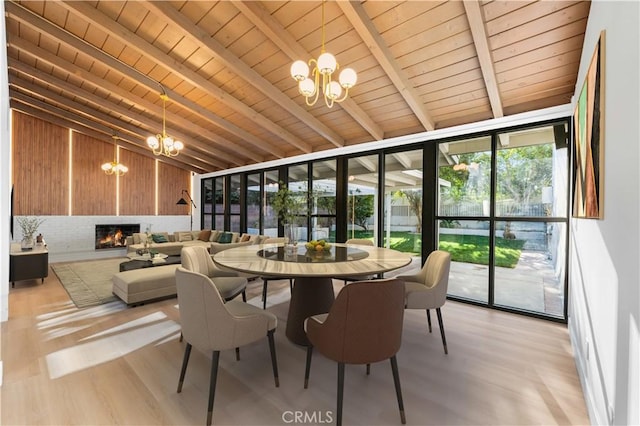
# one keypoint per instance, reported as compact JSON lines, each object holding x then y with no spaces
{"x":27,"y":243}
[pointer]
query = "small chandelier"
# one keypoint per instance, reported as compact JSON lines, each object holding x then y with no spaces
{"x":161,"y":144}
{"x":324,"y":66}
{"x":114,"y":168}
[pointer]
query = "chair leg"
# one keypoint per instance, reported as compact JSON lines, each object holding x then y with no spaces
{"x":444,"y":340}
{"x":429,"y":320}
{"x":307,"y":368}
{"x":291,"y":285}
{"x":244,"y":296}
{"x":264,"y":294}
{"x":185,"y":361}
{"x":237,"y":354}
{"x":274,"y":360}
{"x":396,"y":382}
{"x":212,"y":385}
{"x":181,"y":336}
{"x":340,"y":393}
{"x":368,"y":369}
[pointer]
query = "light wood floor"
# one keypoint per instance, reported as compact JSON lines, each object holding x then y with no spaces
{"x":116,"y":365}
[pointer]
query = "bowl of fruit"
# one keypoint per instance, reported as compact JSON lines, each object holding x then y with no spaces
{"x":319,"y":246}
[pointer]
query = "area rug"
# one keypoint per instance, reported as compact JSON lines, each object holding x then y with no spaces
{"x":88,"y":283}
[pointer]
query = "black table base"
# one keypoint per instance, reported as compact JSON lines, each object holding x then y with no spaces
{"x":311,"y":296}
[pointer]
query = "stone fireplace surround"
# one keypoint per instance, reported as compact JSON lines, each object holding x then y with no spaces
{"x":72,"y":238}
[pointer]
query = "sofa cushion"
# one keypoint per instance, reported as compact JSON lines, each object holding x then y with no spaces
{"x":215,"y":234}
{"x":159,"y":238}
{"x":139,"y":238}
{"x":204,"y":235}
{"x":245,"y":237}
{"x":184,"y":236}
{"x":225,"y":238}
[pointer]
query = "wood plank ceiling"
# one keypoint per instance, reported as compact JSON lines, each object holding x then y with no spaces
{"x":99,"y":67}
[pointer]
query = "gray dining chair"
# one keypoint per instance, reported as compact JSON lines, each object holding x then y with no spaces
{"x":211,"y":325}
{"x":428,"y":288}
{"x":229,"y":284}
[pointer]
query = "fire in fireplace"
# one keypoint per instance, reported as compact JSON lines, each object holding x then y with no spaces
{"x":114,"y":236}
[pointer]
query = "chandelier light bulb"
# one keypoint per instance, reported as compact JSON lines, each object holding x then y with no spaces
{"x":153,"y":142}
{"x":327,"y":63}
{"x":333,"y":90}
{"x":307,"y":87}
{"x":106,"y":166}
{"x":299,"y":70}
{"x":178,"y":145}
{"x":348,"y":78}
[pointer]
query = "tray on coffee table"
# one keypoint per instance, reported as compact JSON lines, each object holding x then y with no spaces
{"x":139,"y":262}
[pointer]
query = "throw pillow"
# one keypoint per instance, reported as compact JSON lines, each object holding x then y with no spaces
{"x":159,"y":238}
{"x":225,"y":237}
{"x":204,"y":235}
{"x":185,"y":236}
{"x":245,"y":237}
{"x":214,"y":235}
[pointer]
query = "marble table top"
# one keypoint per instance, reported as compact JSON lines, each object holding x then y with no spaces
{"x":343,"y":260}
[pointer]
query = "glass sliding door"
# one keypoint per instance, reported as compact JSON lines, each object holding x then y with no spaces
{"x":464,"y":194}
{"x":402,"y":220}
{"x":531,"y":210}
{"x":254,"y":214}
{"x":362,"y":197}
{"x":299,"y":186}
{"x":270,"y":218}
{"x":234,"y":203}
{"x":218,"y":202}
{"x":323,"y":200}
{"x":207,"y":204}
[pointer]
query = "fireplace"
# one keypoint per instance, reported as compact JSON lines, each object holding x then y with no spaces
{"x":114,"y":236}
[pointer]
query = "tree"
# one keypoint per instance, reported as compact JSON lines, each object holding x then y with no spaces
{"x":414,"y":198}
{"x":360,"y":208}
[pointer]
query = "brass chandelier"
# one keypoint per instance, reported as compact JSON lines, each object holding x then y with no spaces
{"x":161,"y":144}
{"x":323,"y":68}
{"x":114,"y":167}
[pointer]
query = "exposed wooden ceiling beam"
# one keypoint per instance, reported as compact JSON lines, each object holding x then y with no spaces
{"x":133,"y":41}
{"x":206,"y":153}
{"x":39,"y":24}
{"x":270,"y":27}
{"x":476,"y":23}
{"x":213,"y":47}
{"x":356,"y":14}
{"x":33,"y":107}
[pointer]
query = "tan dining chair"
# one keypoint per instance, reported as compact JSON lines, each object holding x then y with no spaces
{"x":229,"y":284}
{"x":428,"y":288}
{"x":211,"y":325}
{"x":359,"y":242}
{"x":363,"y":326}
{"x":267,"y":278}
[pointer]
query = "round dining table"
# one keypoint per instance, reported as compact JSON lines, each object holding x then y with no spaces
{"x":313,"y":271}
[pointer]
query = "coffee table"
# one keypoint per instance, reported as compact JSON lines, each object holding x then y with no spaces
{"x":138,"y":262}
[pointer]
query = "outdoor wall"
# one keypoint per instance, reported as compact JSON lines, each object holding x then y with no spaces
{"x":604,"y":304}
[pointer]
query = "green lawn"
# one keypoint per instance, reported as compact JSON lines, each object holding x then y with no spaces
{"x":475,"y":249}
{"x":463,"y":248}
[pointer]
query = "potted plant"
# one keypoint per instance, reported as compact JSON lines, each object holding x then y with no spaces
{"x":288,"y":205}
{"x":29,"y":226}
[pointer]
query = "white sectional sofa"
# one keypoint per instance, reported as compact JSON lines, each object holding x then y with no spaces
{"x":171,"y":244}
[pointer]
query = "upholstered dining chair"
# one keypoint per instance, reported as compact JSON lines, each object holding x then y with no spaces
{"x":363,"y":326}
{"x":359,"y":242}
{"x":266,"y":279}
{"x":428,"y":288}
{"x":211,"y":325}
{"x":229,"y":284}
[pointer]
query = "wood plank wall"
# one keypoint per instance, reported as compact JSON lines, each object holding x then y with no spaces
{"x":138,"y":186}
{"x":172,"y":180}
{"x":40,"y":161}
{"x":94,"y":192}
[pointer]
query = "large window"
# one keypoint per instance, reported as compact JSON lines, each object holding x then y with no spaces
{"x":497,"y":201}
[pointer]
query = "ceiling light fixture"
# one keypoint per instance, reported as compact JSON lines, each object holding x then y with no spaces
{"x":324,"y":66}
{"x":161,"y":144}
{"x":114,"y":168}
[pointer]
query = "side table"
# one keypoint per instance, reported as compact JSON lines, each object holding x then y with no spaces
{"x":28,"y":265}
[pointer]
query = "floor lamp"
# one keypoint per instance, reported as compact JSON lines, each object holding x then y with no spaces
{"x":183,"y":202}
